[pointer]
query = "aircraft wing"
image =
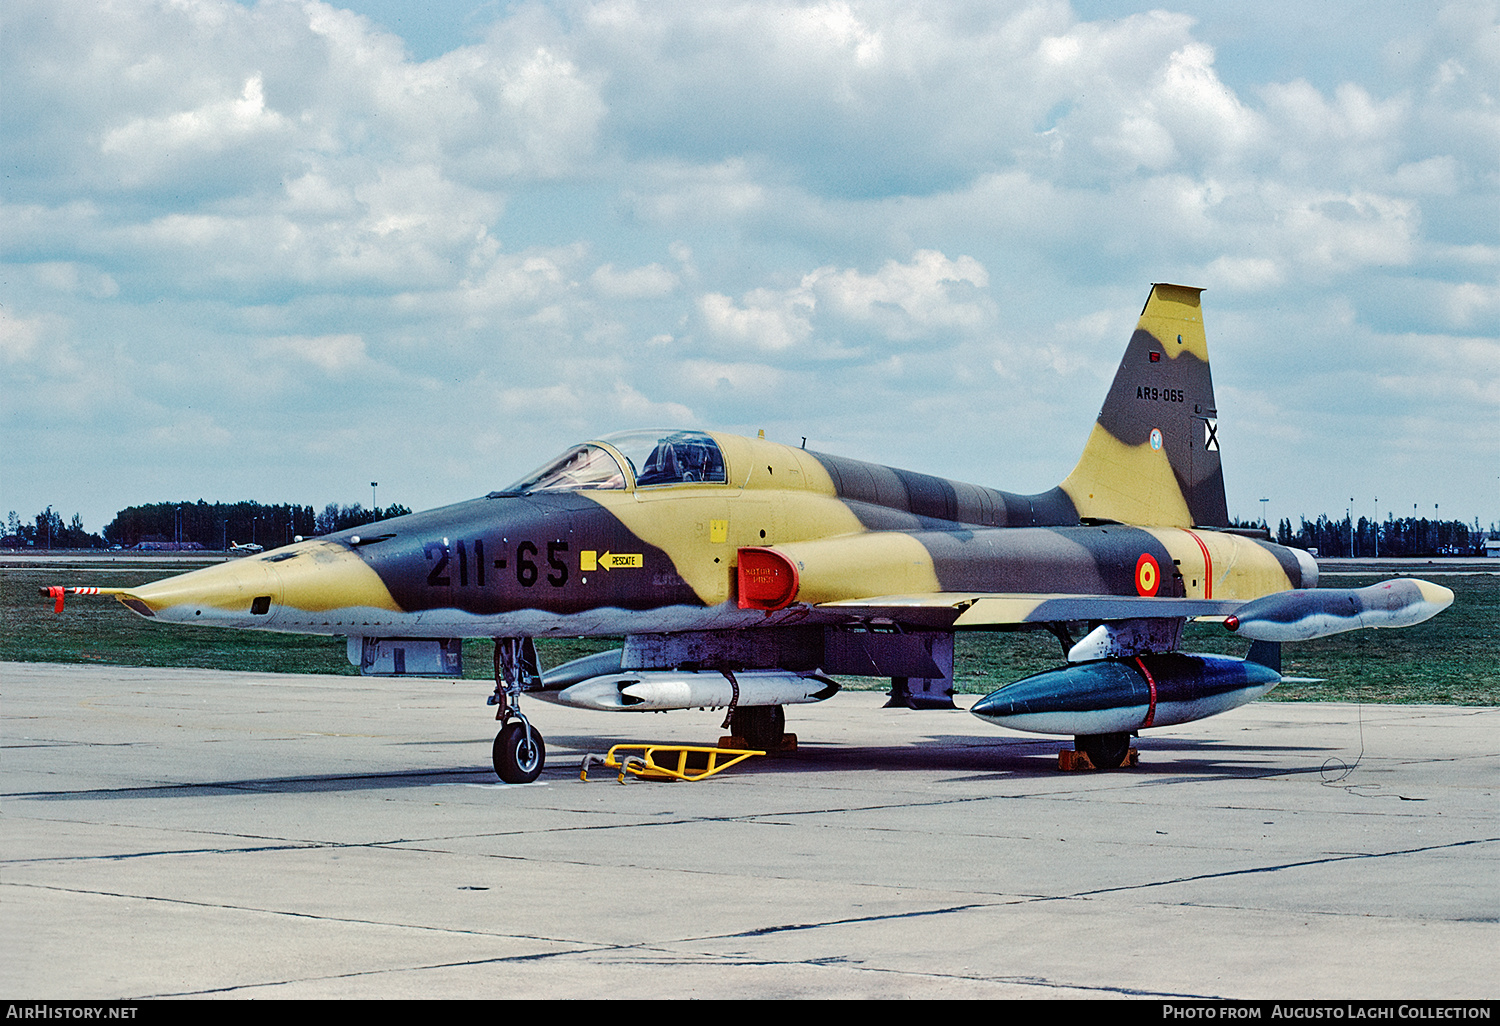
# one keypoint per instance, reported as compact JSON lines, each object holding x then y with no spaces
{"x":988,"y":609}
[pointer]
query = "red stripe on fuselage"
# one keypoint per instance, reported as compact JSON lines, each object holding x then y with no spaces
{"x":1208,"y":565}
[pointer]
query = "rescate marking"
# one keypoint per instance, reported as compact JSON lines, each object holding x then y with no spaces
{"x":1147,"y":575}
{"x":588,"y":559}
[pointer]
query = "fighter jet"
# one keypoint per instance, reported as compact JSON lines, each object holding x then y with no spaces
{"x":746,"y":575}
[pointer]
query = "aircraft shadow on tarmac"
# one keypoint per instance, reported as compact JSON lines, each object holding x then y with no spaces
{"x":1007,"y":759}
{"x":1004,"y":757}
{"x":272,"y":785}
{"x":1038,"y":760}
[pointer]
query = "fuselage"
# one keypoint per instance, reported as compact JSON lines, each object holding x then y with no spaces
{"x":615,"y":538}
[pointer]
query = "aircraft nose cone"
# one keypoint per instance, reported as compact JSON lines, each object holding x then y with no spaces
{"x":294,"y":585}
{"x":215,"y":593}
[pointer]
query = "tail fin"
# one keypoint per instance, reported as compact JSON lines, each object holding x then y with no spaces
{"x":1152,"y":458}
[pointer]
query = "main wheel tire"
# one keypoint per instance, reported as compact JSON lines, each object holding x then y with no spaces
{"x":1105,"y":751}
{"x":762,"y":726}
{"x":520,"y":753}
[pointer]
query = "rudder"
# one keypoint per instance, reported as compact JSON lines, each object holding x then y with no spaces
{"x":1152,"y":458}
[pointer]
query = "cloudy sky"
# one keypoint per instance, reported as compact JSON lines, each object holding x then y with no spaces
{"x":279,"y":250}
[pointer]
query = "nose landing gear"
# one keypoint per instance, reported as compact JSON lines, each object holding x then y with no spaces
{"x":519,"y":752}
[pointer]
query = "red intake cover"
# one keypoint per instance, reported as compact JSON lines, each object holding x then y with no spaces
{"x":767,"y":579}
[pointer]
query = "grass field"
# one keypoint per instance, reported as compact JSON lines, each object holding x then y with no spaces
{"x":1452,"y":659}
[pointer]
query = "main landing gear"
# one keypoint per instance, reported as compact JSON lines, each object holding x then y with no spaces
{"x":519,"y":753}
{"x":1105,"y":751}
{"x":762,"y":726}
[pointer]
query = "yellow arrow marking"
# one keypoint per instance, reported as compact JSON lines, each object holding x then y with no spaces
{"x":616,"y":560}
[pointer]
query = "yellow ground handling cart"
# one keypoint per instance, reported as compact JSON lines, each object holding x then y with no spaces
{"x":667,"y":762}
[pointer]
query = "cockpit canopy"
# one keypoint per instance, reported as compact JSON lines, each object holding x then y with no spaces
{"x":655,"y":458}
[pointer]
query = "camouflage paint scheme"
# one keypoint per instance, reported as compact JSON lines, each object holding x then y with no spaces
{"x":868,"y":542}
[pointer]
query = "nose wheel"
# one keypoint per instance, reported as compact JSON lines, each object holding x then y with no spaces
{"x":520,"y":752}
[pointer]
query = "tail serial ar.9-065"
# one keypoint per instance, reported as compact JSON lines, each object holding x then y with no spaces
{"x":746,"y":574}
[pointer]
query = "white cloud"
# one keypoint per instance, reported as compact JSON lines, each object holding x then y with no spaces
{"x":1435,"y":176}
{"x":332,"y":353}
{"x":1446,"y":369}
{"x":952,"y":209}
{"x":931,"y":294}
{"x":635,"y":407}
{"x":1248,"y":274}
{"x":1209,"y":116}
{"x":527,"y":281}
{"x":1470,"y":304}
{"x":19,"y":336}
{"x":769,"y":320}
{"x":190,"y":429}
{"x":672,"y":193}
{"x":1339,"y":232}
{"x":66,"y":276}
{"x":214,"y":126}
{"x":713,"y":379}
{"x":907,"y":300}
{"x":649,"y":282}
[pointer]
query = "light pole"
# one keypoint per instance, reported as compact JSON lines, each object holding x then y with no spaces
{"x":1351,"y":527}
{"x":373,"y":504}
{"x":1263,"y":522}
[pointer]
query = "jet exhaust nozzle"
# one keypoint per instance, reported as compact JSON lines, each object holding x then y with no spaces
{"x":1318,"y":612}
{"x":1120,"y":696}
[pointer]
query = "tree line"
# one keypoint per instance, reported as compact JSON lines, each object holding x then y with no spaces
{"x":47,"y":531}
{"x":217,"y":525}
{"x":193,"y":525}
{"x":1404,"y":536}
